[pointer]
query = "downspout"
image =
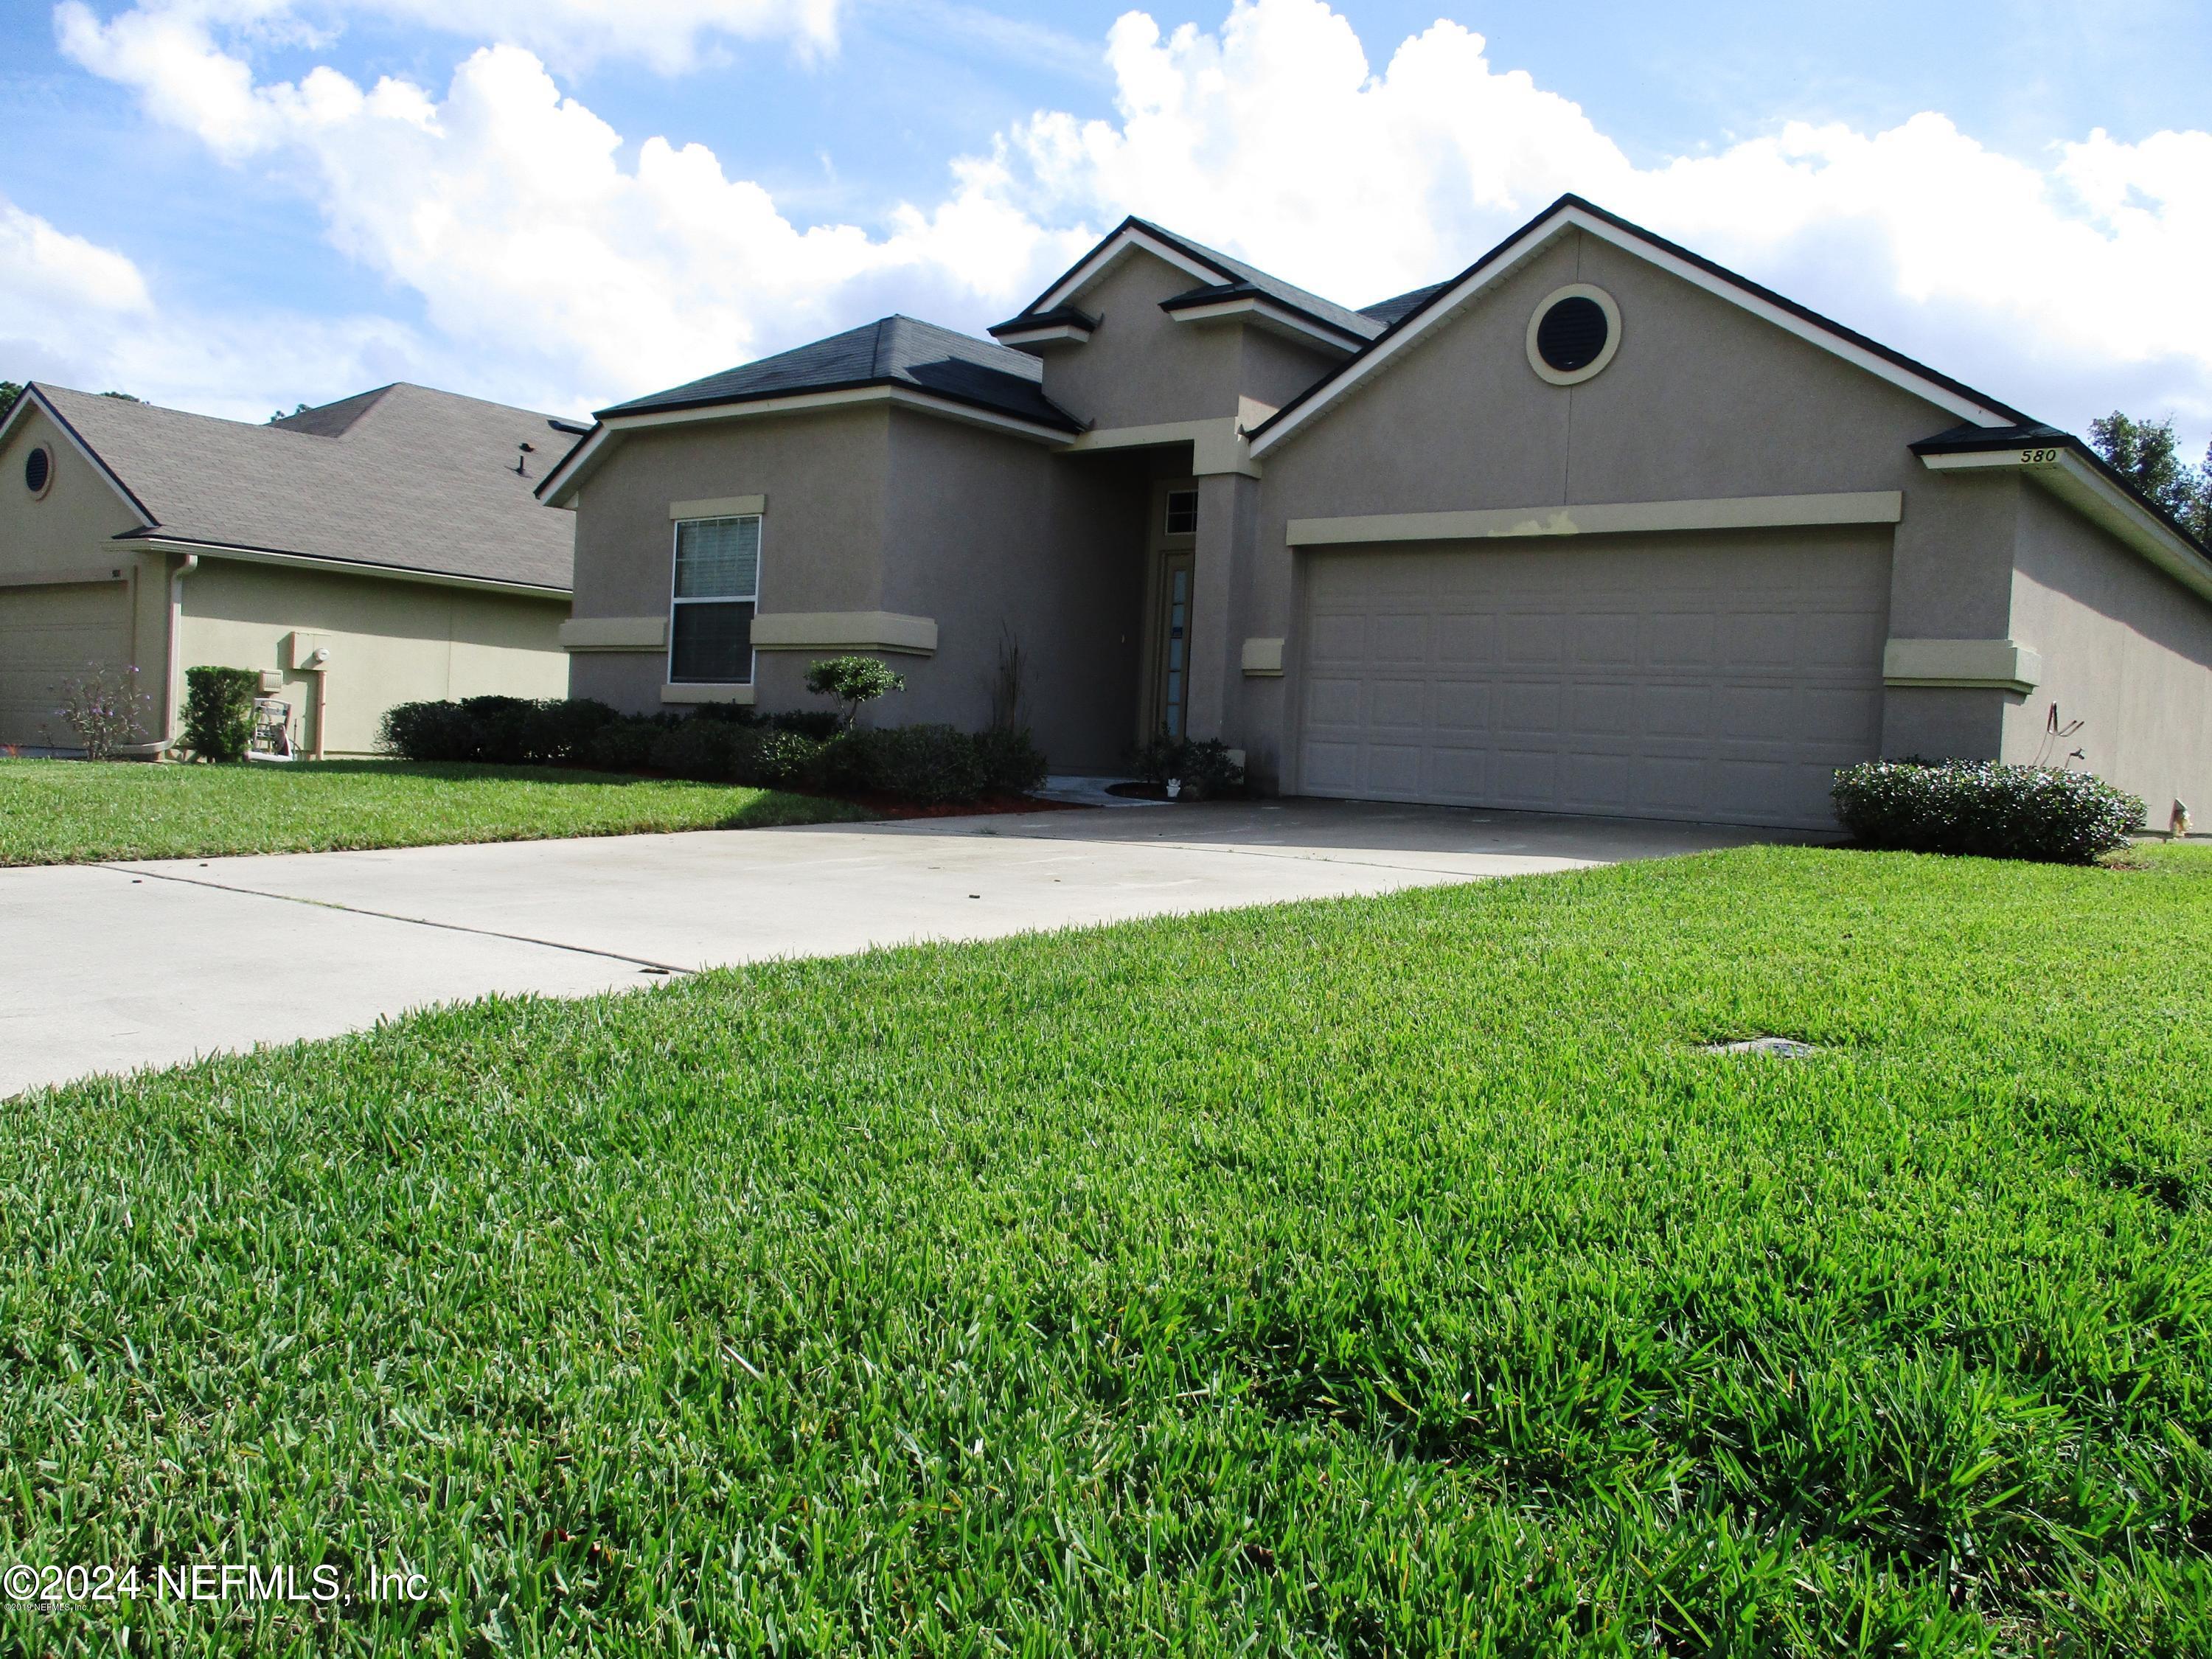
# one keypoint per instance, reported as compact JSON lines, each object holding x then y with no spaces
{"x":175,"y":688}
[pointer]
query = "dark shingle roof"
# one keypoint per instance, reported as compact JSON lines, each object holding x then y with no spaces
{"x":403,"y":477}
{"x":891,"y":351}
{"x":1386,"y":311}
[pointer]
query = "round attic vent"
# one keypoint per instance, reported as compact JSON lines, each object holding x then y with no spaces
{"x":38,"y":469}
{"x":1573,"y":334}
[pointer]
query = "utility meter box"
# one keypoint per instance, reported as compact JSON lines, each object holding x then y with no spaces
{"x":306,"y":651}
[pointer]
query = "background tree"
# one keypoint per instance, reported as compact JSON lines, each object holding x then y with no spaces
{"x":9,"y":391}
{"x":2147,"y":454}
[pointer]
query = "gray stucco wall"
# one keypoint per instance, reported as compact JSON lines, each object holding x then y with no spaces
{"x":1701,"y":400}
{"x":877,"y":510}
{"x":822,"y":539}
{"x":1143,"y":367}
{"x":2125,"y":649}
{"x":991,"y":534}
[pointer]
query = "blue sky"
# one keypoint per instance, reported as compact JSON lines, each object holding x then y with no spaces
{"x":210,"y":202}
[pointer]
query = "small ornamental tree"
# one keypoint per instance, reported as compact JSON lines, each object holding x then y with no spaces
{"x":853,"y":680}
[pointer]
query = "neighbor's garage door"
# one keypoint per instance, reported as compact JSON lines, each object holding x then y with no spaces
{"x":1722,"y":678}
{"x":50,"y":635}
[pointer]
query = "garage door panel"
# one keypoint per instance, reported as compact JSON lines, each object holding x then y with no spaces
{"x":1465,"y":642}
{"x":1397,"y":704}
{"x":1679,"y":641}
{"x":1723,"y":679}
{"x":1608,"y":640}
{"x":1456,"y":774}
{"x":1526,"y":707}
{"x":1535,"y":639}
{"x":1463,"y":706}
{"x":50,"y":636}
{"x":1605,"y":710}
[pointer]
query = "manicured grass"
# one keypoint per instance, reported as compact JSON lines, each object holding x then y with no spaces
{"x":71,"y":812}
{"x":1386,"y":1276}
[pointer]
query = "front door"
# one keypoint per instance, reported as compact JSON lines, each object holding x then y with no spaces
{"x":1173,"y":631}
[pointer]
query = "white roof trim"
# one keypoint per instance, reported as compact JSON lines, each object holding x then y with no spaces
{"x":342,"y":566}
{"x":566,"y":478}
{"x":2076,"y":481}
{"x":23,"y":400}
{"x":1538,"y":235}
{"x":1046,"y":334}
{"x":1266,"y":312}
{"x":1107,"y":252}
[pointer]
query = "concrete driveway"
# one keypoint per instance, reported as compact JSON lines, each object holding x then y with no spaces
{"x":108,"y":968}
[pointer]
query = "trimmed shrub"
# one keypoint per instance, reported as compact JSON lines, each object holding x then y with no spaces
{"x":1204,"y":768}
{"x":927,"y":764}
{"x":625,"y":745}
{"x":1012,"y":764}
{"x":1985,"y":809}
{"x":819,"y":724}
{"x":219,"y":711}
{"x":495,"y":731}
{"x":723,"y":751}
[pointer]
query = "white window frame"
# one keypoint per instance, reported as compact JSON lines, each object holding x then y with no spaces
{"x":675,"y":543}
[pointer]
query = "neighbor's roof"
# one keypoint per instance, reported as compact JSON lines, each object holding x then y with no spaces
{"x":1236,"y":280}
{"x":403,"y":477}
{"x":890,"y":352}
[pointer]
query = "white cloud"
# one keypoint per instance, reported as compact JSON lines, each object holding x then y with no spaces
{"x":82,"y":315}
{"x":2062,"y":283}
{"x":669,"y":35}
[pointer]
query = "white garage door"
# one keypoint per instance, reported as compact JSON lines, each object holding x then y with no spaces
{"x":1720,"y":679}
{"x":50,"y":635}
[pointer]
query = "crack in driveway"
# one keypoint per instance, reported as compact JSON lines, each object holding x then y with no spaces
{"x":140,"y":872}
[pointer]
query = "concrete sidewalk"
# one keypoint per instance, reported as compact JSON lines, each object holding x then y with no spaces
{"x":108,"y":968}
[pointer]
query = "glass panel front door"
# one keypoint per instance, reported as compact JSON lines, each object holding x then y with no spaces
{"x":1174,"y":640}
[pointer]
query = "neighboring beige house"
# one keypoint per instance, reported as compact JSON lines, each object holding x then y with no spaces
{"x":377,"y":550}
{"x":1593,"y":526}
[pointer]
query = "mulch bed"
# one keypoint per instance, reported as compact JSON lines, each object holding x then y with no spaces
{"x":893,"y":807}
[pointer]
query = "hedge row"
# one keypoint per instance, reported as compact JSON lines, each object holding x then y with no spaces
{"x":929,"y":764}
{"x":1985,"y":809}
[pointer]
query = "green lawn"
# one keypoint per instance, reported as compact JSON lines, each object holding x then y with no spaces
{"x":1386,"y":1276}
{"x":69,"y":812}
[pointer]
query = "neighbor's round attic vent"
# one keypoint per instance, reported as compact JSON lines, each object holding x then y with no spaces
{"x":38,"y":469}
{"x":1573,"y":334}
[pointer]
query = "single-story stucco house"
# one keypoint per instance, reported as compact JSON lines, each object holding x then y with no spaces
{"x":380,"y":550}
{"x":1593,"y":526}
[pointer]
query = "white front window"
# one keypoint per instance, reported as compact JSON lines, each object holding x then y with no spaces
{"x":712,"y":599}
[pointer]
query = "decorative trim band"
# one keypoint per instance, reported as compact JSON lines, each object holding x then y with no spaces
{"x":68,"y":575}
{"x":1263,"y":658}
{"x":742,"y":695}
{"x":2000,"y":664}
{"x":1216,"y":445}
{"x":614,"y":633}
{"x":846,"y":630}
{"x":719,"y":506}
{"x":1604,"y":519}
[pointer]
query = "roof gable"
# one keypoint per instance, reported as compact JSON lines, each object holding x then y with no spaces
{"x":1419,"y":312}
{"x":1215,"y":276}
